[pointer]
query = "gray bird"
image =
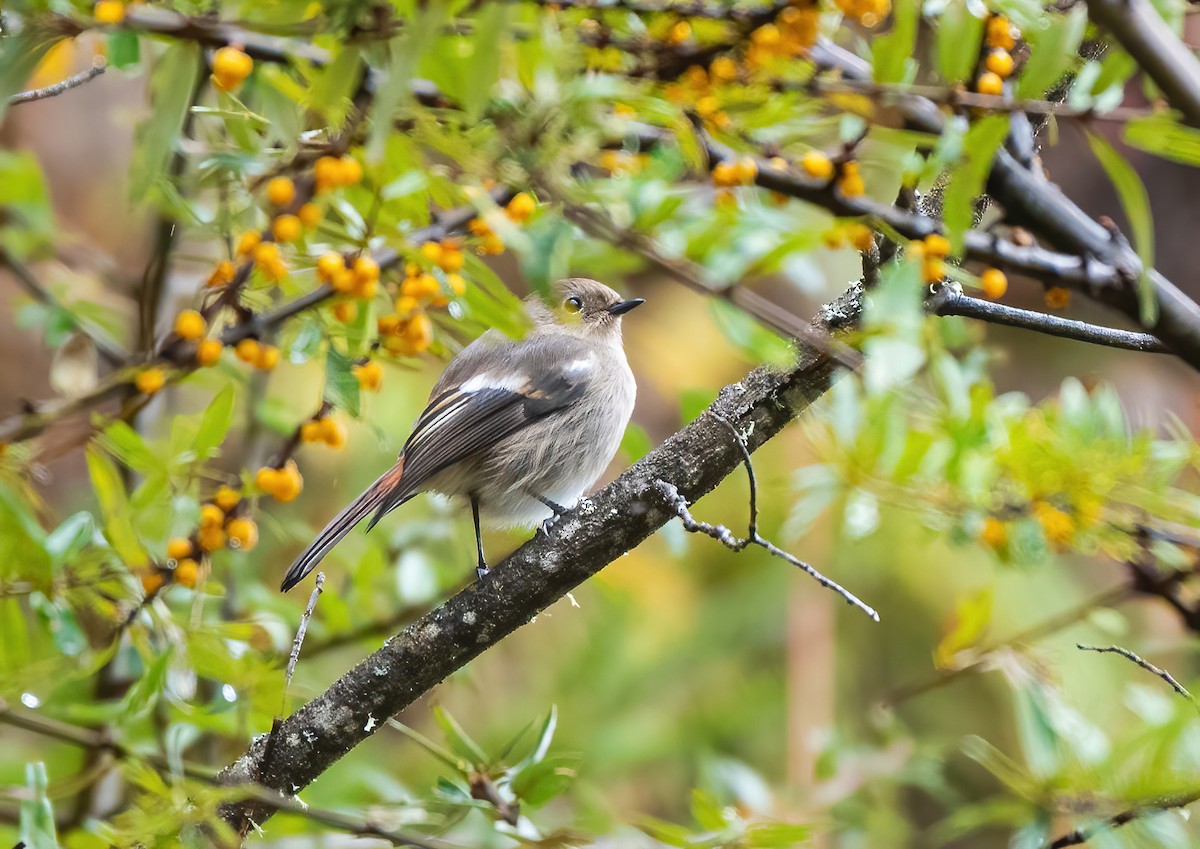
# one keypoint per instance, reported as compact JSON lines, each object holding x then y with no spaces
{"x":520,"y":429}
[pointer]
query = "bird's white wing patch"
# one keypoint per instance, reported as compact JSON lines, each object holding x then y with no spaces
{"x":577,"y":367}
{"x":486,"y":380}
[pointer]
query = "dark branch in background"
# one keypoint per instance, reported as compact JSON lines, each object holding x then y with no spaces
{"x":112,"y":353}
{"x":949,"y":300}
{"x":1082,"y":835}
{"x":1158,"y":51}
{"x":599,"y":530}
{"x":1145,"y":664}
{"x":727,"y":538}
{"x":99,"y":65}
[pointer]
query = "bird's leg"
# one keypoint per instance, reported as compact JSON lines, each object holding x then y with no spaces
{"x":482,"y":569}
{"x":556,"y":509}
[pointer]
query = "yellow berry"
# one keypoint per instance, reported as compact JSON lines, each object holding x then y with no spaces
{"x":329,"y":265}
{"x":327,"y":171}
{"x":211,"y":516}
{"x":432,"y":251}
{"x":725,"y":199}
{"x":766,"y":36}
{"x":456,"y":283}
{"x":994,"y":283}
{"x":242,"y":533}
{"x":187,"y":572}
{"x":268,"y":357}
{"x":178,"y":548}
{"x":724,"y":174}
{"x":247,"y":350}
{"x":723,"y":68}
{"x":290,"y":483}
{"x":281,"y":191}
{"x":350,"y":171}
{"x":311,"y":432}
{"x":287,"y":228}
{"x":388,"y":324}
{"x":222,"y":275}
{"x":419,"y":331}
{"x":230,"y":67}
{"x":227,"y":498}
{"x":989,"y":83}
{"x":190,"y":325}
{"x":521,"y":207}
{"x":1057,"y":297}
{"x":451,"y":260}
{"x":333,"y":433}
{"x":150,"y":380}
{"x":679,"y":32}
{"x":309,"y":215}
{"x":152,"y":582}
{"x":994,"y":533}
{"x":937,"y":246}
{"x":369,"y":375}
{"x":479,"y":227}
{"x":1000,"y":33}
{"x":345,"y":311}
{"x":208,"y":352}
{"x":933,"y":269}
{"x":745,"y":170}
{"x":860,"y":236}
{"x":366,"y":269}
{"x":491,"y":244}
{"x":344,"y":281}
{"x":834,"y":237}
{"x":267,"y":479}
{"x":247,"y":242}
{"x":817,"y":165}
{"x":1000,"y":63}
{"x":109,"y":12}
{"x":210,"y":538}
{"x":851,"y":185}
{"x":1057,"y":525}
{"x":266,"y":253}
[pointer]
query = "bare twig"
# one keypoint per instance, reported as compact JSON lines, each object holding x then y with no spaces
{"x":1082,"y":835}
{"x":949,"y":300}
{"x":302,"y":630}
{"x":1145,"y":664}
{"x":99,"y":65}
{"x":727,"y":538}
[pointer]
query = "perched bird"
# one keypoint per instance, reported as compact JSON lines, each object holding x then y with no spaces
{"x":520,"y":429}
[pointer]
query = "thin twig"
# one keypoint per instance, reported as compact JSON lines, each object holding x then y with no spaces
{"x":1082,"y":835}
{"x":1145,"y":664}
{"x":302,"y":630}
{"x":99,"y":65}
{"x":949,"y":300}
{"x":730,"y":540}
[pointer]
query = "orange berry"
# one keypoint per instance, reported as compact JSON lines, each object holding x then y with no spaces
{"x":266,"y":253}
{"x":344,"y":281}
{"x":679,"y":32}
{"x":479,"y":227}
{"x":725,"y":199}
{"x":860,"y":236}
{"x":152,"y":582}
{"x":451,"y":261}
{"x":432,"y":251}
{"x":1000,"y":63}
{"x":247,"y":242}
{"x":309,"y":215}
{"x":456,"y":283}
{"x":994,"y":533}
{"x":190,"y":325}
{"x":287,"y":228}
{"x":1000,"y":33}
{"x":109,"y":12}
{"x":333,"y":433}
{"x":345,"y":311}
{"x":208,"y":352}
{"x":327,"y":171}
{"x":311,"y":432}
{"x":187,"y":573}
{"x":388,"y":324}
{"x":211,"y":516}
{"x":290,"y":483}
{"x":178,"y":548}
{"x":222,"y":275}
{"x":851,"y":185}
{"x":723,"y":69}
{"x":267,"y":359}
{"x":724,"y":174}
{"x":267,"y":479}
{"x":227,"y":498}
{"x":745,"y":170}
{"x":281,"y":191}
{"x":366,"y":269}
{"x":419,"y":331}
{"x":350,"y":171}
{"x":329,"y":265}
{"x":369,"y":375}
{"x":242,"y":533}
{"x":247,"y":351}
{"x":937,"y":246}
{"x":1057,"y":297}
{"x":933,"y":269}
{"x":211,"y":538}
{"x":994,"y":283}
{"x":817,"y":165}
{"x":989,"y":83}
{"x":521,"y":207}
{"x":491,"y":244}
{"x":151,"y":380}
{"x":230,"y":68}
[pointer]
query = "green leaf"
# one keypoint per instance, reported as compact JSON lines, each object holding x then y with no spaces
{"x":18,"y":60}
{"x":214,"y":424}
{"x":114,"y":505}
{"x":485,"y":61}
{"x":442,"y":754}
{"x":1136,"y":204}
{"x":341,"y":386}
{"x":958,"y":36}
{"x":538,"y":783}
{"x":636,"y":443}
{"x":967,"y":179}
{"x":37,"y":815}
{"x":1163,"y":135}
{"x":458,"y":739}
{"x":143,"y":695}
{"x":124,"y":50}
{"x":25,"y":202}
{"x":1053,"y":50}
{"x":758,"y":343}
{"x":330,"y":92}
{"x":69,"y":538}
{"x":892,"y":54}
{"x":666,"y":832}
{"x":707,"y":812}
{"x":777,"y":835}
{"x":130,"y":449}
{"x":171,"y":85}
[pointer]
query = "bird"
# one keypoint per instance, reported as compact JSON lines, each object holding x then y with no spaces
{"x":519,"y":429}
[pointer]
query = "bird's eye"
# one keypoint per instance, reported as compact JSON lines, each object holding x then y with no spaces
{"x":573,"y":304}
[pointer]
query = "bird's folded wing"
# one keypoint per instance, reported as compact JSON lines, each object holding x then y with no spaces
{"x":479,"y":412}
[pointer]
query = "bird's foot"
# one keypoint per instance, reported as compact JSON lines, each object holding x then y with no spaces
{"x":548,"y":525}
{"x":482,"y":570}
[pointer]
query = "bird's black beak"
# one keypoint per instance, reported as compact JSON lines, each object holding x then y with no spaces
{"x":623,"y":307}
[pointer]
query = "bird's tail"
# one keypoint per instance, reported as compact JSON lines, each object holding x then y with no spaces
{"x":381,"y":495}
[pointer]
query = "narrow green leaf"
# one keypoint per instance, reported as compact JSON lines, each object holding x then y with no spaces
{"x":1053,"y":50}
{"x":124,"y":49}
{"x":777,"y":835}
{"x":341,"y":386}
{"x":1163,"y":136}
{"x":1136,"y":204}
{"x":958,"y":36}
{"x":114,"y":505}
{"x":666,"y":832}
{"x":37,"y":815}
{"x":460,"y":742}
{"x":892,"y":54}
{"x":969,"y":176}
{"x":24,"y":201}
{"x":130,"y":448}
{"x":442,"y":754}
{"x":69,"y":538}
{"x":485,"y":62}
{"x":330,"y":93}
{"x":706,"y":810}
{"x":214,"y":424}
{"x":171,"y":85}
{"x":542,"y":781}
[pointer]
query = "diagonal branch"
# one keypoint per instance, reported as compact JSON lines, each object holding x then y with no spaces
{"x":599,"y":530}
{"x":1082,"y":835}
{"x":75,"y":81}
{"x":1145,"y":664}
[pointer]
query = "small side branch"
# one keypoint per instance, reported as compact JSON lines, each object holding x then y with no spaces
{"x":1082,"y":835}
{"x":1145,"y":664}
{"x":730,"y":540}
{"x":302,"y":630}
{"x":98,"y":67}
{"x":947,"y":300}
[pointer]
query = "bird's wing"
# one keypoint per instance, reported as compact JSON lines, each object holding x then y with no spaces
{"x":529,"y":380}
